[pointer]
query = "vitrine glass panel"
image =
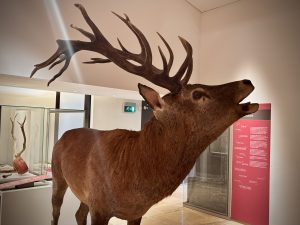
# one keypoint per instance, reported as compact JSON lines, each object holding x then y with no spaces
{"x":207,"y":184}
{"x":30,"y":133}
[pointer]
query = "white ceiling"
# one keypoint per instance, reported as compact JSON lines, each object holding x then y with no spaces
{"x":207,"y":5}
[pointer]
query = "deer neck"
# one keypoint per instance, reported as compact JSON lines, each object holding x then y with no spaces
{"x":170,"y":152}
{"x":174,"y":137}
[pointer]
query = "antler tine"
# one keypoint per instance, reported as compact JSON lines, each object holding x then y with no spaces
{"x":24,"y":137}
{"x":60,"y":72}
{"x":165,"y":65}
{"x":65,"y":50}
{"x":98,"y":35}
{"x":189,"y":71}
{"x":146,"y":53}
{"x":188,"y":74}
{"x":187,"y":61}
{"x":12,"y":126}
{"x":22,"y":124}
{"x":62,"y":58}
{"x":170,"y":63}
{"x":84,"y":32}
{"x":47,"y":62}
{"x":123,"y":48}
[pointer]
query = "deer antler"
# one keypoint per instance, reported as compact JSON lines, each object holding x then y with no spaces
{"x":18,"y":163}
{"x":12,"y":131}
{"x":98,"y":43}
{"x":24,"y":137}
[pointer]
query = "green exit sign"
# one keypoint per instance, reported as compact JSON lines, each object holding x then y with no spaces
{"x":129,"y":107}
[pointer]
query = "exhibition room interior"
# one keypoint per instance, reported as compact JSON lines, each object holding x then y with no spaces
{"x":246,"y":170}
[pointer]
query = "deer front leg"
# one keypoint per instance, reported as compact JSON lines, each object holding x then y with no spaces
{"x":135,"y":222}
{"x":81,"y":214}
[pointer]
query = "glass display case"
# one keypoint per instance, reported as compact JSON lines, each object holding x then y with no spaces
{"x":27,"y":137}
{"x":22,"y":142}
{"x":207,"y":184}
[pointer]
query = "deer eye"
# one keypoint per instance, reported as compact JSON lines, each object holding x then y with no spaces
{"x":199,"y":94}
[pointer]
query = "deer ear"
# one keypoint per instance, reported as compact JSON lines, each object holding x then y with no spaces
{"x":151,"y":96}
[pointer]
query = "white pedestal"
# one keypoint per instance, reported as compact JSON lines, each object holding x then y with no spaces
{"x":32,"y":206}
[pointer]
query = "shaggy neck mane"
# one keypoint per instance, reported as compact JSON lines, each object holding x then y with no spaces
{"x":159,"y":151}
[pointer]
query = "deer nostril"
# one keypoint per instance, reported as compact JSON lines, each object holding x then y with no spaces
{"x":247,"y":82}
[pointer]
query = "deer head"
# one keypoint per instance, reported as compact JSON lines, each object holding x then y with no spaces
{"x":204,"y":109}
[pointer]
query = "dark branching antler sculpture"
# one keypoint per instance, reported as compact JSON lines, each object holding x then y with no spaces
{"x":98,"y":43}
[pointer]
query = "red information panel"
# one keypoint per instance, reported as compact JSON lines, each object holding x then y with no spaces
{"x":251,"y":167}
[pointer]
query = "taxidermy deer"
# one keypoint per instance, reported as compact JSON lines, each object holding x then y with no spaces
{"x":123,"y":173}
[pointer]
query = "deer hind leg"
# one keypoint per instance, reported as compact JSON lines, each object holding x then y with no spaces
{"x":99,"y":218}
{"x":58,"y":191}
{"x":81,"y":214}
{"x":135,"y":222}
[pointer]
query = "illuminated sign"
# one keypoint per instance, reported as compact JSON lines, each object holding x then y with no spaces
{"x":129,"y":107}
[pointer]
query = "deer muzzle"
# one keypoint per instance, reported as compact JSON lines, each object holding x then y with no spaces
{"x":246,"y":88}
{"x":248,"y":108}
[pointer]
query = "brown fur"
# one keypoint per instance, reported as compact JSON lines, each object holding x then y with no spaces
{"x":123,"y":173}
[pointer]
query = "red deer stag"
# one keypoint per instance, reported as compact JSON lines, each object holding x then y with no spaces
{"x":123,"y":173}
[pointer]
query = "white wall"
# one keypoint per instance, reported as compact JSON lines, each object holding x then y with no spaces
{"x":29,"y":30}
{"x":107,"y":114}
{"x":260,"y":40}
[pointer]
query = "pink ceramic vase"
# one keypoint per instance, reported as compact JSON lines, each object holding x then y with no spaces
{"x":20,"y":165}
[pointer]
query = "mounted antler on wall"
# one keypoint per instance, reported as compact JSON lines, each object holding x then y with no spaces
{"x":123,"y":173}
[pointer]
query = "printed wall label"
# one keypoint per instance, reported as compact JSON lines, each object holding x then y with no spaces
{"x":251,"y":167}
